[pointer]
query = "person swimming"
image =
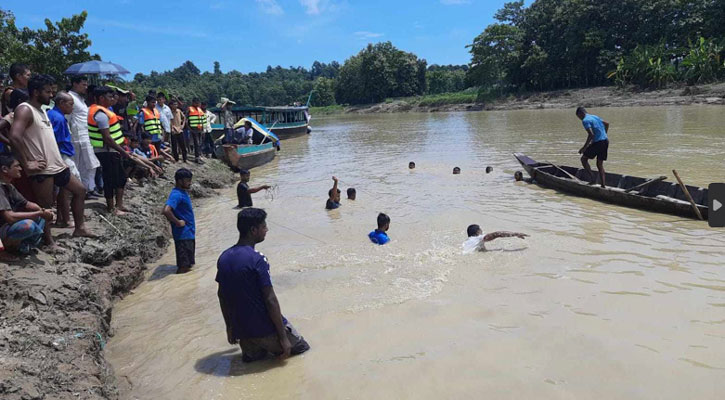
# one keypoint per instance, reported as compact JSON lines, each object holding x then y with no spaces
{"x":351,"y":193}
{"x":333,"y":200}
{"x":489,"y":170}
{"x":411,"y":165}
{"x":477,"y":239}
{"x":456,"y":171}
{"x":379,"y":236}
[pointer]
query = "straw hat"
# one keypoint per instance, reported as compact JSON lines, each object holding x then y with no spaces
{"x":224,"y":102}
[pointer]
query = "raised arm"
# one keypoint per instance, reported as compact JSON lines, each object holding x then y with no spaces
{"x":503,"y":234}
{"x":275,"y":314}
{"x":334,"y":186}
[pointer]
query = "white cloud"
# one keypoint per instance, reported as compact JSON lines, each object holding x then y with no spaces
{"x":368,"y":35}
{"x":455,"y":2}
{"x":270,"y":7}
{"x":312,"y":6}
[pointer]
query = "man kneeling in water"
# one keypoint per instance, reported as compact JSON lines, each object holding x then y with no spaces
{"x":477,"y":240}
{"x":249,"y":305}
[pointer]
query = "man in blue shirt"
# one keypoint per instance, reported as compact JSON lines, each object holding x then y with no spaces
{"x":597,"y":143}
{"x":379,"y":236}
{"x":180,"y":214}
{"x":63,"y":106}
{"x":249,"y":305}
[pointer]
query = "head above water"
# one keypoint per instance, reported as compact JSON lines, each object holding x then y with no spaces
{"x":334,"y":196}
{"x":383,"y":222}
{"x":581,"y":112}
{"x":456,"y":171}
{"x":518,"y":176}
{"x":351,"y":193}
{"x":252,"y":225}
{"x":474,"y":230}
{"x":183,"y":178}
{"x":411,"y":165}
{"x":489,"y":170}
{"x":9,"y":167}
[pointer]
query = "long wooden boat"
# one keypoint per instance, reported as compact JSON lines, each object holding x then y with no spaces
{"x":285,"y":122}
{"x":651,"y":194}
{"x":248,"y":156}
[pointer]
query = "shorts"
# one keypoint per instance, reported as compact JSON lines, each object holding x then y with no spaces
{"x":61,"y":179}
{"x":72,"y":166}
{"x":254,"y":349}
{"x":185,"y":253}
{"x":114,"y":176}
{"x":598,"y":150}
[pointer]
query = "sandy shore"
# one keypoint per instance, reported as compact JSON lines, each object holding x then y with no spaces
{"x":56,"y":309}
{"x":606,"y":96}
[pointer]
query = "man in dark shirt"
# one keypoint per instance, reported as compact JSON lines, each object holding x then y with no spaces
{"x":249,"y":305}
{"x":244,"y":192}
{"x":333,"y":200}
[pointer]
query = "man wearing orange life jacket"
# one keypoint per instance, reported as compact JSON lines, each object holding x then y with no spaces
{"x":104,"y":131}
{"x":195,"y":122}
{"x":152,"y":121}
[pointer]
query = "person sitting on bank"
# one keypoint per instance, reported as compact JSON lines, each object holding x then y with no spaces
{"x":477,"y":239}
{"x":379,"y":236}
{"x":597,"y":144}
{"x":23,"y":222}
{"x":351,"y":193}
{"x":244,"y":192}
{"x":180,"y":213}
{"x":149,"y":150}
{"x":333,"y":200}
{"x":251,"y":311}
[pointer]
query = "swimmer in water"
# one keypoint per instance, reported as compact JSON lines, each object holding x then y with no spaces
{"x":379,"y":236}
{"x":411,"y":165}
{"x":477,"y":239}
{"x":351,"y":193}
{"x":456,"y":171}
{"x":333,"y":200}
{"x":489,"y":170}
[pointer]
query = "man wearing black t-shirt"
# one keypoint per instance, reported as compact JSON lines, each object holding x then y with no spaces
{"x":244,"y":192}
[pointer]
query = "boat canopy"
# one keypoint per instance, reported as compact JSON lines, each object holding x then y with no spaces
{"x":257,"y":127}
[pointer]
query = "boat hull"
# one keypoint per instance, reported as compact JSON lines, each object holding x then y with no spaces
{"x":245,"y":156}
{"x":290,"y":132}
{"x":662,"y":197}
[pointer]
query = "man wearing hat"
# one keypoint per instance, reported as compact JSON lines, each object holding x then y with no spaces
{"x":229,"y":119}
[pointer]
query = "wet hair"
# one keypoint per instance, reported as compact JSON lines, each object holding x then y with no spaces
{"x":383,"y":220}
{"x":329,"y":192}
{"x":581,"y":110}
{"x":150,"y":98}
{"x":78,"y":79}
{"x":17,"y":69}
{"x":351,"y":192}
{"x":518,"y":175}
{"x":7,"y":160}
{"x":472,"y":230}
{"x":17,"y":97}
{"x":243,"y":172}
{"x":250,"y":218}
{"x":38,"y":82}
{"x":456,"y":169}
{"x":182,"y":173}
{"x":489,"y":169}
{"x":101,"y":91}
{"x":411,"y":165}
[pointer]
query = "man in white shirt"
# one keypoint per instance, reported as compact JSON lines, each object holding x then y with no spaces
{"x":165,"y":115}
{"x":477,"y":239}
{"x":84,"y":157}
{"x":244,"y":134}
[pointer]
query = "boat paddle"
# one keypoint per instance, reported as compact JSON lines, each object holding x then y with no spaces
{"x":689,"y":197}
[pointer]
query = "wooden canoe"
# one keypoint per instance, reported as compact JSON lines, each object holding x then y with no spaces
{"x":656,"y":195}
{"x":246,"y":156}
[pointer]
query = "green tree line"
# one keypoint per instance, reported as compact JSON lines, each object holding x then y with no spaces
{"x":555,"y":44}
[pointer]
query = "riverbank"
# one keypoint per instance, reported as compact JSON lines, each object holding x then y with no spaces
{"x":605,"y":96}
{"x":56,"y":309}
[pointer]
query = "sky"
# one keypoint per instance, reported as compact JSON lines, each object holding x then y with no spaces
{"x":249,"y":35}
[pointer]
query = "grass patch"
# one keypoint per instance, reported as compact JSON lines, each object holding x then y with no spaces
{"x":432,"y":100}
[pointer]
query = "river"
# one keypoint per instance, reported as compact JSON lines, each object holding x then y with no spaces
{"x":599,"y":302}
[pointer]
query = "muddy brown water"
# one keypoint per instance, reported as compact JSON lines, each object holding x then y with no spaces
{"x":600,"y":302}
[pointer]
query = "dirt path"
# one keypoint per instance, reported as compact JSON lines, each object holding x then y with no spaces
{"x":55,"y":310}
{"x":606,"y":96}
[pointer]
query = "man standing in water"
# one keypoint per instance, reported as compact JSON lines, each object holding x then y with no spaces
{"x":249,"y":305}
{"x":596,"y":145}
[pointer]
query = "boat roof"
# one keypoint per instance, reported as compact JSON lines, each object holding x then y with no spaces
{"x":263,"y":108}
{"x":257,"y":127}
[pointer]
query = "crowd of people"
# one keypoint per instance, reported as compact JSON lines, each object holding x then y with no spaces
{"x":83,"y":143}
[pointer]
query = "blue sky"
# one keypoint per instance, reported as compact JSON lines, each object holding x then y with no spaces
{"x":248,"y":35}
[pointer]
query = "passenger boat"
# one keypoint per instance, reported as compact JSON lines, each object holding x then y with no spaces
{"x":651,"y":194}
{"x":285,"y":122}
{"x":248,"y":156}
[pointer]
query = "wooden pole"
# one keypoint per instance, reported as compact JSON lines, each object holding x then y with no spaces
{"x":687,"y":194}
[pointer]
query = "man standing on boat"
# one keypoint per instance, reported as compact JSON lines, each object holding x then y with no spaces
{"x":596,"y":145}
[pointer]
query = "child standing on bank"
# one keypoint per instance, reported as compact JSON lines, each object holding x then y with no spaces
{"x":179,"y":212}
